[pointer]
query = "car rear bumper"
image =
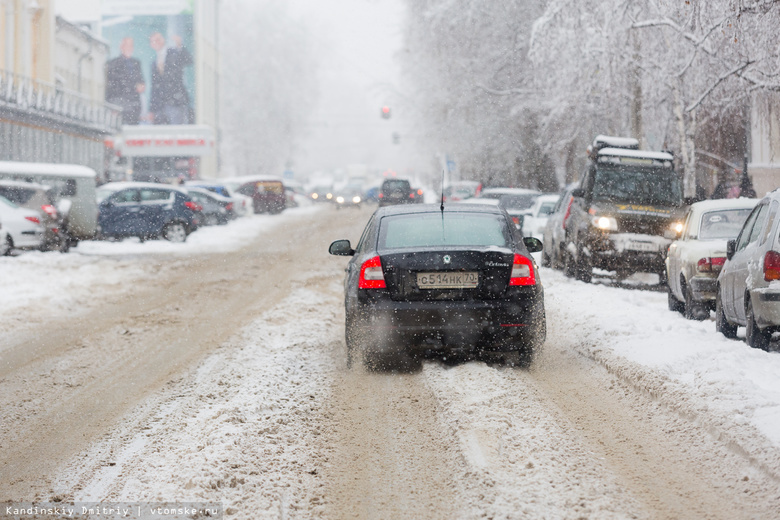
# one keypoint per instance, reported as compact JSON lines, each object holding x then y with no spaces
{"x":613,"y":252}
{"x":498,"y":325}
{"x":703,"y":289}
{"x":766,"y":307}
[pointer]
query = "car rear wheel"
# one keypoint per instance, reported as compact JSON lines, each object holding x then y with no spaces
{"x":675,"y":305}
{"x":175,"y":232}
{"x":545,"y":260}
{"x":722,"y":324}
{"x":754,"y":336}
{"x":6,"y":246}
{"x":694,"y":310}
{"x":584,"y":269}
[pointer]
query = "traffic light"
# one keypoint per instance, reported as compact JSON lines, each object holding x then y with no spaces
{"x":385,"y":112}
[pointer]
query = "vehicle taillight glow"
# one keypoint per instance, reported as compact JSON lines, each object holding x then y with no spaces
{"x":50,"y":210}
{"x":516,"y":220}
{"x":229,"y":206}
{"x":35,"y":220}
{"x":522,"y":271}
{"x":568,"y":212}
{"x":381,"y":195}
{"x":371,"y":274}
{"x":771,"y":266}
{"x":193,"y":206}
{"x":710,"y":265}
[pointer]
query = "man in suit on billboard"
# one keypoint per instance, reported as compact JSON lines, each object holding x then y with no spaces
{"x":125,"y":83}
{"x":169,"y":102}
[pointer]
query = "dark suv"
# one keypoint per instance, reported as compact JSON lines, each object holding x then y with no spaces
{"x":395,"y":191}
{"x":624,"y":212}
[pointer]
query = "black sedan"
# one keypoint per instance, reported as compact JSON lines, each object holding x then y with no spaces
{"x":460,"y":282}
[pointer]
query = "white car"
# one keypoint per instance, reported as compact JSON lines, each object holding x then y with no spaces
{"x":695,"y":259}
{"x":533,"y":224}
{"x":516,"y":201}
{"x":242,"y":205}
{"x":23,"y":226}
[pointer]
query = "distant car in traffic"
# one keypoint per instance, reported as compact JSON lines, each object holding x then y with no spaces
{"x":242,"y":204}
{"x":461,"y":190}
{"x":459,"y":282}
{"x":748,"y":287}
{"x":536,"y":219}
{"x":395,"y":191}
{"x":350,"y":195}
{"x":146,"y":210}
{"x":23,"y":226}
{"x":554,"y":233}
{"x":695,"y":259}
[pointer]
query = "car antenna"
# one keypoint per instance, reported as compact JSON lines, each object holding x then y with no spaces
{"x":442,"y":193}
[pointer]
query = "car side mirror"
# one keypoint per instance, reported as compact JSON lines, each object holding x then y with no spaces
{"x":731,"y":247}
{"x":533,"y":244}
{"x":341,"y":248}
{"x":578,"y":193}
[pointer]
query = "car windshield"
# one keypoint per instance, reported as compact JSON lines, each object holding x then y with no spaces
{"x":724,"y":224}
{"x":7,"y":202}
{"x":546,"y":209}
{"x":396,"y":186}
{"x":103,"y":193}
{"x":17,"y":194}
{"x":630,"y":184}
{"x":434,"y":230}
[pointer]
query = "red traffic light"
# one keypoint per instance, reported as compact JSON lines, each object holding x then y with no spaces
{"x":385,"y":112}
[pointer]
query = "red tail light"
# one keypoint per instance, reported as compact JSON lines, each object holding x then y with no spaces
{"x":371,"y":274}
{"x":193,"y":206}
{"x":771,"y":266}
{"x":381,"y":195}
{"x":522,"y":272}
{"x":229,"y":206}
{"x":568,"y":212}
{"x":420,"y":191}
{"x":411,"y":195}
{"x":50,"y":210}
{"x":36,"y":220}
{"x":516,"y":220}
{"x":710,"y":265}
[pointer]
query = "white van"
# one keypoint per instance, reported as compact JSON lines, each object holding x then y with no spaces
{"x":74,"y":187}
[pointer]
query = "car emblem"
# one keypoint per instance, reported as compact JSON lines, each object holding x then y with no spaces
{"x":447,"y":259}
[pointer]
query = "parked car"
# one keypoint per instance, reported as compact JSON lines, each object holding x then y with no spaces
{"x":536,"y":220}
{"x":74,"y":188}
{"x":748,"y":287}
{"x":40,"y":199}
{"x":242,"y":204}
{"x":395,"y":191}
{"x":23,"y":226}
{"x":216,"y":209}
{"x":695,"y":259}
{"x":146,"y":210}
{"x":267,"y":194}
{"x":554,"y":234}
{"x":461,"y":190}
{"x":459,"y":281}
{"x":626,"y":202}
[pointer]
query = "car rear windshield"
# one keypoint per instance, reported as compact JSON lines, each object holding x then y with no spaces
{"x":723,"y":223}
{"x":16,"y":194}
{"x":431,"y":230}
{"x":518,"y":201}
{"x":270,"y":187}
{"x":396,"y":186}
{"x":635,"y":185}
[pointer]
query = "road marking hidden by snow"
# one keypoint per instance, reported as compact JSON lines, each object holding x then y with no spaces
{"x":241,"y":430}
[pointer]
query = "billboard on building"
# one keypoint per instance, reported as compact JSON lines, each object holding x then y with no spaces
{"x":150,"y":72}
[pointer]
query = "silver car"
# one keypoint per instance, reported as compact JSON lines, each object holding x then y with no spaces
{"x":695,"y":259}
{"x":748,"y":291}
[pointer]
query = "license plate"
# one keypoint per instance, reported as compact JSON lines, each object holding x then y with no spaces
{"x":448,"y":280}
{"x":648,"y":247}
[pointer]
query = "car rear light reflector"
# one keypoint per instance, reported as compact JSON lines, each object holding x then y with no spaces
{"x":522,"y":272}
{"x":193,"y":206}
{"x":229,"y":206}
{"x":710,"y":265}
{"x":771,"y":266}
{"x":371,"y":274}
{"x":568,"y":212}
{"x":50,"y":210}
{"x":35,"y":220}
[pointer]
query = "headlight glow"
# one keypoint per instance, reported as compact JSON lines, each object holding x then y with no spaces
{"x":677,"y":227}
{"x":356,"y":199}
{"x":329,"y":196}
{"x":604,"y":223}
{"x":340,"y":200}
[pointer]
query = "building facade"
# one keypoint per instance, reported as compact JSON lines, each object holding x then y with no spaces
{"x":764,"y":167}
{"x":51,"y":89}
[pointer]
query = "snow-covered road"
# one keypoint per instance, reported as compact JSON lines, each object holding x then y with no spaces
{"x":214,"y":371}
